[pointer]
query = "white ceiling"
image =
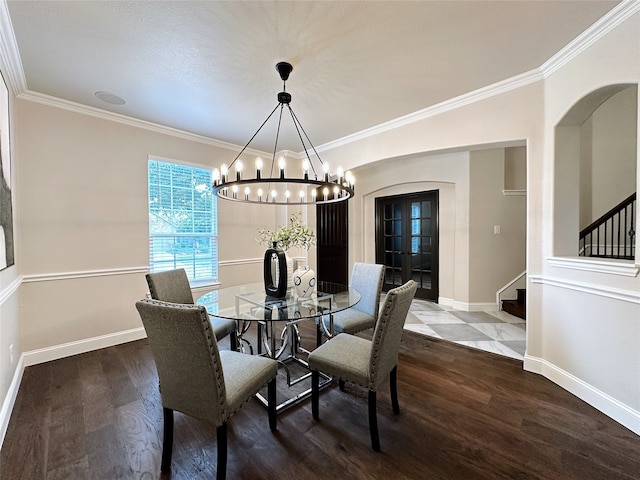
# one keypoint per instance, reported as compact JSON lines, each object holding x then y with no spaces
{"x":207,"y":67}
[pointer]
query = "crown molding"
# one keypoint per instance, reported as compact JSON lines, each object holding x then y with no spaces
{"x":480,"y":94}
{"x":10,"y":61}
{"x":616,"y":16}
{"x":130,"y":121}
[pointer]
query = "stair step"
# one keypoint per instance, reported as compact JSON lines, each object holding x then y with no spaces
{"x":515,"y":308}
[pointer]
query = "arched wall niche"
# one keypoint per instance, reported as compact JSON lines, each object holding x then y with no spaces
{"x":595,"y":161}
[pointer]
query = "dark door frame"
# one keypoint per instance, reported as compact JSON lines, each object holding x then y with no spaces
{"x":404,"y":258}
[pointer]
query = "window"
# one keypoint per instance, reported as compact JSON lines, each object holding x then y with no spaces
{"x":183,"y":230}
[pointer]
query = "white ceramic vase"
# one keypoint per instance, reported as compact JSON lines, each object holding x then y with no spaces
{"x":304,"y":280}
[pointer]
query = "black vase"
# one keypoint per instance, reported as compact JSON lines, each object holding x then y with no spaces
{"x":280,"y":289}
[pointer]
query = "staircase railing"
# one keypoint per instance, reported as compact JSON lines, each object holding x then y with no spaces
{"x":613,"y":234}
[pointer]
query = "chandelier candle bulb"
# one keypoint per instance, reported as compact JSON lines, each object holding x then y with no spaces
{"x":247,"y":191}
{"x":305,"y":168}
{"x":325,"y":170}
{"x":234,"y":191}
{"x":215,"y":176}
{"x":281,"y":164}
{"x":259,"y":168}
{"x":349,"y":178}
{"x":259,"y":194}
{"x":224,"y":170}
{"x":238,"y":169}
{"x":340,"y":174}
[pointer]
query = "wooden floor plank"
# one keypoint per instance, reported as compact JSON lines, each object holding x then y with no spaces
{"x":464,"y":414}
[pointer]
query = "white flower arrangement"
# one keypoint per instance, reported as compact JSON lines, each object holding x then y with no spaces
{"x":295,"y":234}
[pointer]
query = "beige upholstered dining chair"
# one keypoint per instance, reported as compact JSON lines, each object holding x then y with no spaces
{"x":367,"y":279}
{"x":366,"y":362}
{"x":173,"y":286}
{"x":196,"y":378}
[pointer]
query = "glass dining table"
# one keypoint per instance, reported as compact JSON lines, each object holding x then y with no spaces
{"x":276,"y":320}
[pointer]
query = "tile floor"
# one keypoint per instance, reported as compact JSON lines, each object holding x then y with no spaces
{"x":496,"y":332}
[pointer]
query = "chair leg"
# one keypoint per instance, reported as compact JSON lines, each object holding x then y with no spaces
{"x":233,"y":340}
{"x":318,"y":332}
{"x":393,"y":389}
{"x":271,"y":401}
{"x":341,"y":384}
{"x":221,"y":473}
{"x":167,"y":442}
{"x":315,"y":393}
{"x":373,"y":422}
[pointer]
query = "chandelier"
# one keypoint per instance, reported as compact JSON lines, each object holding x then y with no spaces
{"x":315,"y":184}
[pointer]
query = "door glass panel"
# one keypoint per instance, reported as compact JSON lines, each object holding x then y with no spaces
{"x":426,"y":244}
{"x":397,"y":244}
{"x":415,"y":210}
{"x":425,"y":226}
{"x":397,"y":211}
{"x":426,"y":209}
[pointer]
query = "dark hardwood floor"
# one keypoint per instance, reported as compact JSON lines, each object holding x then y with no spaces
{"x":465,"y":414}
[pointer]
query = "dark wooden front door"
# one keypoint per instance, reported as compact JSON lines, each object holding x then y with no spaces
{"x":407,"y":241}
{"x":331,"y":244}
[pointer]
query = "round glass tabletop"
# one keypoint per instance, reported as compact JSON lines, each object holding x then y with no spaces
{"x":249,"y":302}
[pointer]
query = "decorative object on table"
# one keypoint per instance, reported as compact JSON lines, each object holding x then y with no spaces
{"x":304,"y":280}
{"x":294,"y":234}
{"x":275,"y":279}
{"x":315,"y":185}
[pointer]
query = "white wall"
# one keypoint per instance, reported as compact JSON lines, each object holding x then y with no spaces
{"x":598,"y":302}
{"x":84,"y":222}
{"x":449,"y":174}
{"x":496,"y":258}
{"x":608,"y":154}
{"x":473,"y":262}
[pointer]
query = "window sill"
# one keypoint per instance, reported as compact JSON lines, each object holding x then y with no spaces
{"x":625,"y":268}
{"x":203,"y":286}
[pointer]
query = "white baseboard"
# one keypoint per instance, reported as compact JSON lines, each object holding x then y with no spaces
{"x":10,"y":399}
{"x":618,"y":411}
{"x":48,"y":354}
{"x":468,"y":307}
{"x":445,"y":302}
{"x":475,"y":307}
